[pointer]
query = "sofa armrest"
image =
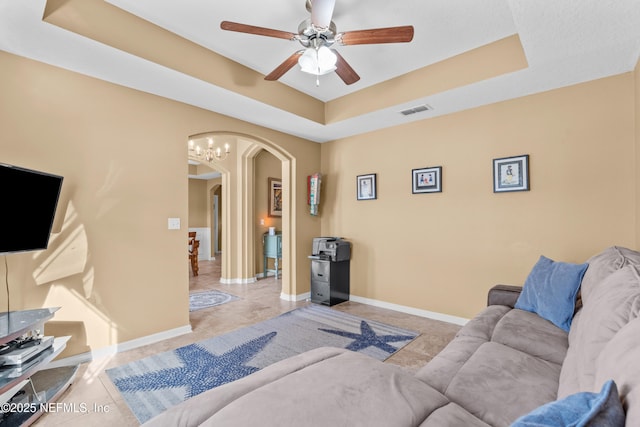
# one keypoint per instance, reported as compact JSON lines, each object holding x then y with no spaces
{"x":504,"y":295}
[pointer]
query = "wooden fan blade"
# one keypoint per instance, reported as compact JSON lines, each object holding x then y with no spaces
{"x":344,"y":70}
{"x":260,"y":31}
{"x":284,"y":67}
{"x":402,"y":34}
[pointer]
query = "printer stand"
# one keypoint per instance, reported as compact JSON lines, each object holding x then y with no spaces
{"x":329,"y":281}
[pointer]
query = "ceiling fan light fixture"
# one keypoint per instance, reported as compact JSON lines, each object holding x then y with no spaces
{"x":326,"y":59}
{"x":317,"y":34}
{"x":318,"y":61}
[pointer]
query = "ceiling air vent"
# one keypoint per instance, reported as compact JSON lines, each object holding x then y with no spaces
{"x":416,"y":109}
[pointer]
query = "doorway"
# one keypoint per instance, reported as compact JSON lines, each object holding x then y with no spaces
{"x":236,"y":207}
{"x":204,"y":207}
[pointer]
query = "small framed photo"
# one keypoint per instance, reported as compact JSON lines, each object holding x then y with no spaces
{"x":511,"y":174}
{"x":427,"y":180}
{"x":275,"y":197}
{"x":366,"y":187}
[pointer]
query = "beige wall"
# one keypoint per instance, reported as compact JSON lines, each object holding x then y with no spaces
{"x":441,"y":252}
{"x":198,"y":207}
{"x":114,"y":255}
{"x":115,"y":269}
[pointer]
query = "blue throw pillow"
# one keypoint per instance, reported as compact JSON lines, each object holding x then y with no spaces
{"x":580,"y":410}
{"x":551,"y":289}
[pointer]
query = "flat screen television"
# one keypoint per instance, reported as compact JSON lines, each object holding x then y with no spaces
{"x":28,"y":201}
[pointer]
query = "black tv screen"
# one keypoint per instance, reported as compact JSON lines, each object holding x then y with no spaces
{"x":28,"y":201}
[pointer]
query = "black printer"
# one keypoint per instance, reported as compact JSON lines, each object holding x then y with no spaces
{"x":330,"y":258}
{"x":331,"y":248}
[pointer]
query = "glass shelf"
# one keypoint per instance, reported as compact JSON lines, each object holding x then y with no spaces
{"x":17,"y":382}
{"x":49,"y":384}
{"x":15,"y":323}
{"x":11,"y":375}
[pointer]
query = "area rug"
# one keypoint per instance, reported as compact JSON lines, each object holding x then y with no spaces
{"x":152,"y":385}
{"x":206,"y":299}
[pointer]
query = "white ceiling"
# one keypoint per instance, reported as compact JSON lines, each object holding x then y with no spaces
{"x":565,"y":42}
{"x":439,"y":33}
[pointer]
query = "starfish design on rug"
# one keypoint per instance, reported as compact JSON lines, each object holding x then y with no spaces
{"x":201,"y":370}
{"x":368,"y":338}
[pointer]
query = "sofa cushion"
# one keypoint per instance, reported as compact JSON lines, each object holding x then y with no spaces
{"x":569,"y":383}
{"x":499,"y":384}
{"x":439,"y":372}
{"x":550,"y":291}
{"x":443,"y":368}
{"x":482,"y":325}
{"x":610,"y":306}
{"x":619,"y":360}
{"x":452,"y":415}
{"x":317,"y":388}
{"x":603,"y":264}
{"x":584,"y":409}
{"x":531,"y":334}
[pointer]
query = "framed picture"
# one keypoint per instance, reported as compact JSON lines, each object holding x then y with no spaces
{"x":366,"y":187}
{"x":427,"y":180}
{"x":275,"y":197}
{"x":511,"y":174}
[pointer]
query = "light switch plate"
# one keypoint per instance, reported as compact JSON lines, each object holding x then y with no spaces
{"x":174,"y":223}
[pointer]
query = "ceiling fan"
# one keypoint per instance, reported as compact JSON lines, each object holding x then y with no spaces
{"x":317,"y":34}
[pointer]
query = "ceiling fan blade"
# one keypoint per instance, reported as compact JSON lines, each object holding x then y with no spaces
{"x":402,"y":34}
{"x":344,"y":70}
{"x":260,"y":31}
{"x":284,"y":67}
{"x":321,"y":12}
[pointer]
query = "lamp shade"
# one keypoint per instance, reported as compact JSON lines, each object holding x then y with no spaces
{"x":317,"y":61}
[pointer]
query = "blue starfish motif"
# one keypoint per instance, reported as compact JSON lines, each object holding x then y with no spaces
{"x":201,"y":369}
{"x":368,"y":338}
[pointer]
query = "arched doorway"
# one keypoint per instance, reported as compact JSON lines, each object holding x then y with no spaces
{"x":238,"y":217}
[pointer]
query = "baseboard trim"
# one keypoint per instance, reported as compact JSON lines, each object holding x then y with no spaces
{"x":269,"y":274}
{"x":298,"y":297}
{"x":238,"y":281}
{"x":125,"y":346}
{"x":410,"y":310}
{"x":390,"y":306}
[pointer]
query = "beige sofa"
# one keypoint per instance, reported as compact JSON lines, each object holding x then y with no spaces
{"x":502,"y":365}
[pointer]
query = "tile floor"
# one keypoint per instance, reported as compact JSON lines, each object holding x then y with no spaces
{"x":259,"y":301}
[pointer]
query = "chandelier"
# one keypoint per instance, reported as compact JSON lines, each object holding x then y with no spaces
{"x":209,"y":153}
